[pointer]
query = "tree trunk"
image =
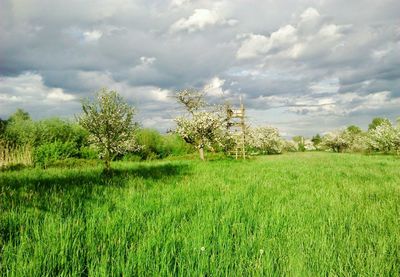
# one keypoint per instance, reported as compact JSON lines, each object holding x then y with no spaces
{"x":201,"y":152}
{"x":107,"y":163}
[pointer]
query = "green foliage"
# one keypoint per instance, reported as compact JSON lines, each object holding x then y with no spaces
{"x":131,"y":157}
{"x":19,"y":115}
{"x":301,"y":214}
{"x":3,"y":125}
{"x":378,"y":121}
{"x":21,"y":132}
{"x":316,"y":140}
{"x":150,"y":142}
{"x":153,"y":145}
{"x":174,"y":145}
{"x":87,"y":152}
{"x":300,"y":143}
{"x":56,"y":129}
{"x":353,"y":129}
{"x":48,"y":153}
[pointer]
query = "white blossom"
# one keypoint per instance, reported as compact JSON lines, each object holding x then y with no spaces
{"x":384,"y":138}
{"x":265,"y":139}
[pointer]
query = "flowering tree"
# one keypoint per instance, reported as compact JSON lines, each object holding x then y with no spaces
{"x":109,"y":121}
{"x":265,"y":139}
{"x":384,"y":138}
{"x":201,"y":128}
{"x":335,"y":141}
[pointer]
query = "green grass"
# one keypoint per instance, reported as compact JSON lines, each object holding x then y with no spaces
{"x":302,"y":214}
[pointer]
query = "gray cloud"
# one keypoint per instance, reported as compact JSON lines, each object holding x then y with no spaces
{"x":294,"y":62}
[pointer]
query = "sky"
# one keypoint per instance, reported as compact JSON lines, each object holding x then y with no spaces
{"x":305,"y":67}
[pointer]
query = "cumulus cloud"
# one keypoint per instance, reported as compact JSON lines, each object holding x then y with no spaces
{"x":309,"y":37}
{"x":215,"y":87}
{"x":200,"y":19}
{"x":28,"y":91}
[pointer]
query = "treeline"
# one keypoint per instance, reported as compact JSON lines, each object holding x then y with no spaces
{"x":105,"y":130}
{"x":382,"y":136}
{"x":45,"y":142}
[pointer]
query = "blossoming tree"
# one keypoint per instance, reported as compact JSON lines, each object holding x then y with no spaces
{"x":384,"y":138}
{"x":201,"y":127}
{"x":265,"y":139}
{"x":109,"y":122}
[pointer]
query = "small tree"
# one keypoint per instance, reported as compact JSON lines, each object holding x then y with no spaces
{"x":109,"y":121}
{"x":316,"y":140}
{"x":202,"y":128}
{"x":300,"y":142}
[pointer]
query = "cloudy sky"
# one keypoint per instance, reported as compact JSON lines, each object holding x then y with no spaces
{"x":302,"y":66}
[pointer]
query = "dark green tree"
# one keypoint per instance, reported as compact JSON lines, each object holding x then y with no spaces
{"x":316,"y":140}
{"x":19,"y":115}
{"x":353,"y":129}
{"x":377,"y":121}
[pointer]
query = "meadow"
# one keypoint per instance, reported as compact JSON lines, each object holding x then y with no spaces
{"x":298,"y":214}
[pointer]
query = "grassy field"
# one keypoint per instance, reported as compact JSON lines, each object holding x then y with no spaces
{"x":302,"y":214}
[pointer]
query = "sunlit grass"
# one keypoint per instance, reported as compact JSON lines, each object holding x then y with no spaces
{"x":295,"y":214}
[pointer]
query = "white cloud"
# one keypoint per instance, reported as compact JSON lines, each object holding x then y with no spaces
{"x":202,"y":18}
{"x":253,"y":46}
{"x":159,"y":94}
{"x":30,"y":86}
{"x":28,"y":91}
{"x":197,"y":21}
{"x":147,"y":60}
{"x":178,"y":3}
{"x":215,"y":87}
{"x":92,"y":36}
{"x":58,"y":94}
{"x":309,"y":14}
{"x":308,"y":38}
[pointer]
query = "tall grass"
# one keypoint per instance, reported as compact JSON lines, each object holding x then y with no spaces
{"x":17,"y":155}
{"x":304,"y":214}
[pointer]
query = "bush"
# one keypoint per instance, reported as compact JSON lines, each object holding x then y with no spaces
{"x":131,"y":157}
{"x":150,"y":142}
{"x":48,"y":153}
{"x":174,"y":145}
{"x":153,"y":145}
{"x":37,"y":133}
{"x":90,"y":153}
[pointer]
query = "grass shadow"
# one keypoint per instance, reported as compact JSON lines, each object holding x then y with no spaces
{"x":47,"y":189}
